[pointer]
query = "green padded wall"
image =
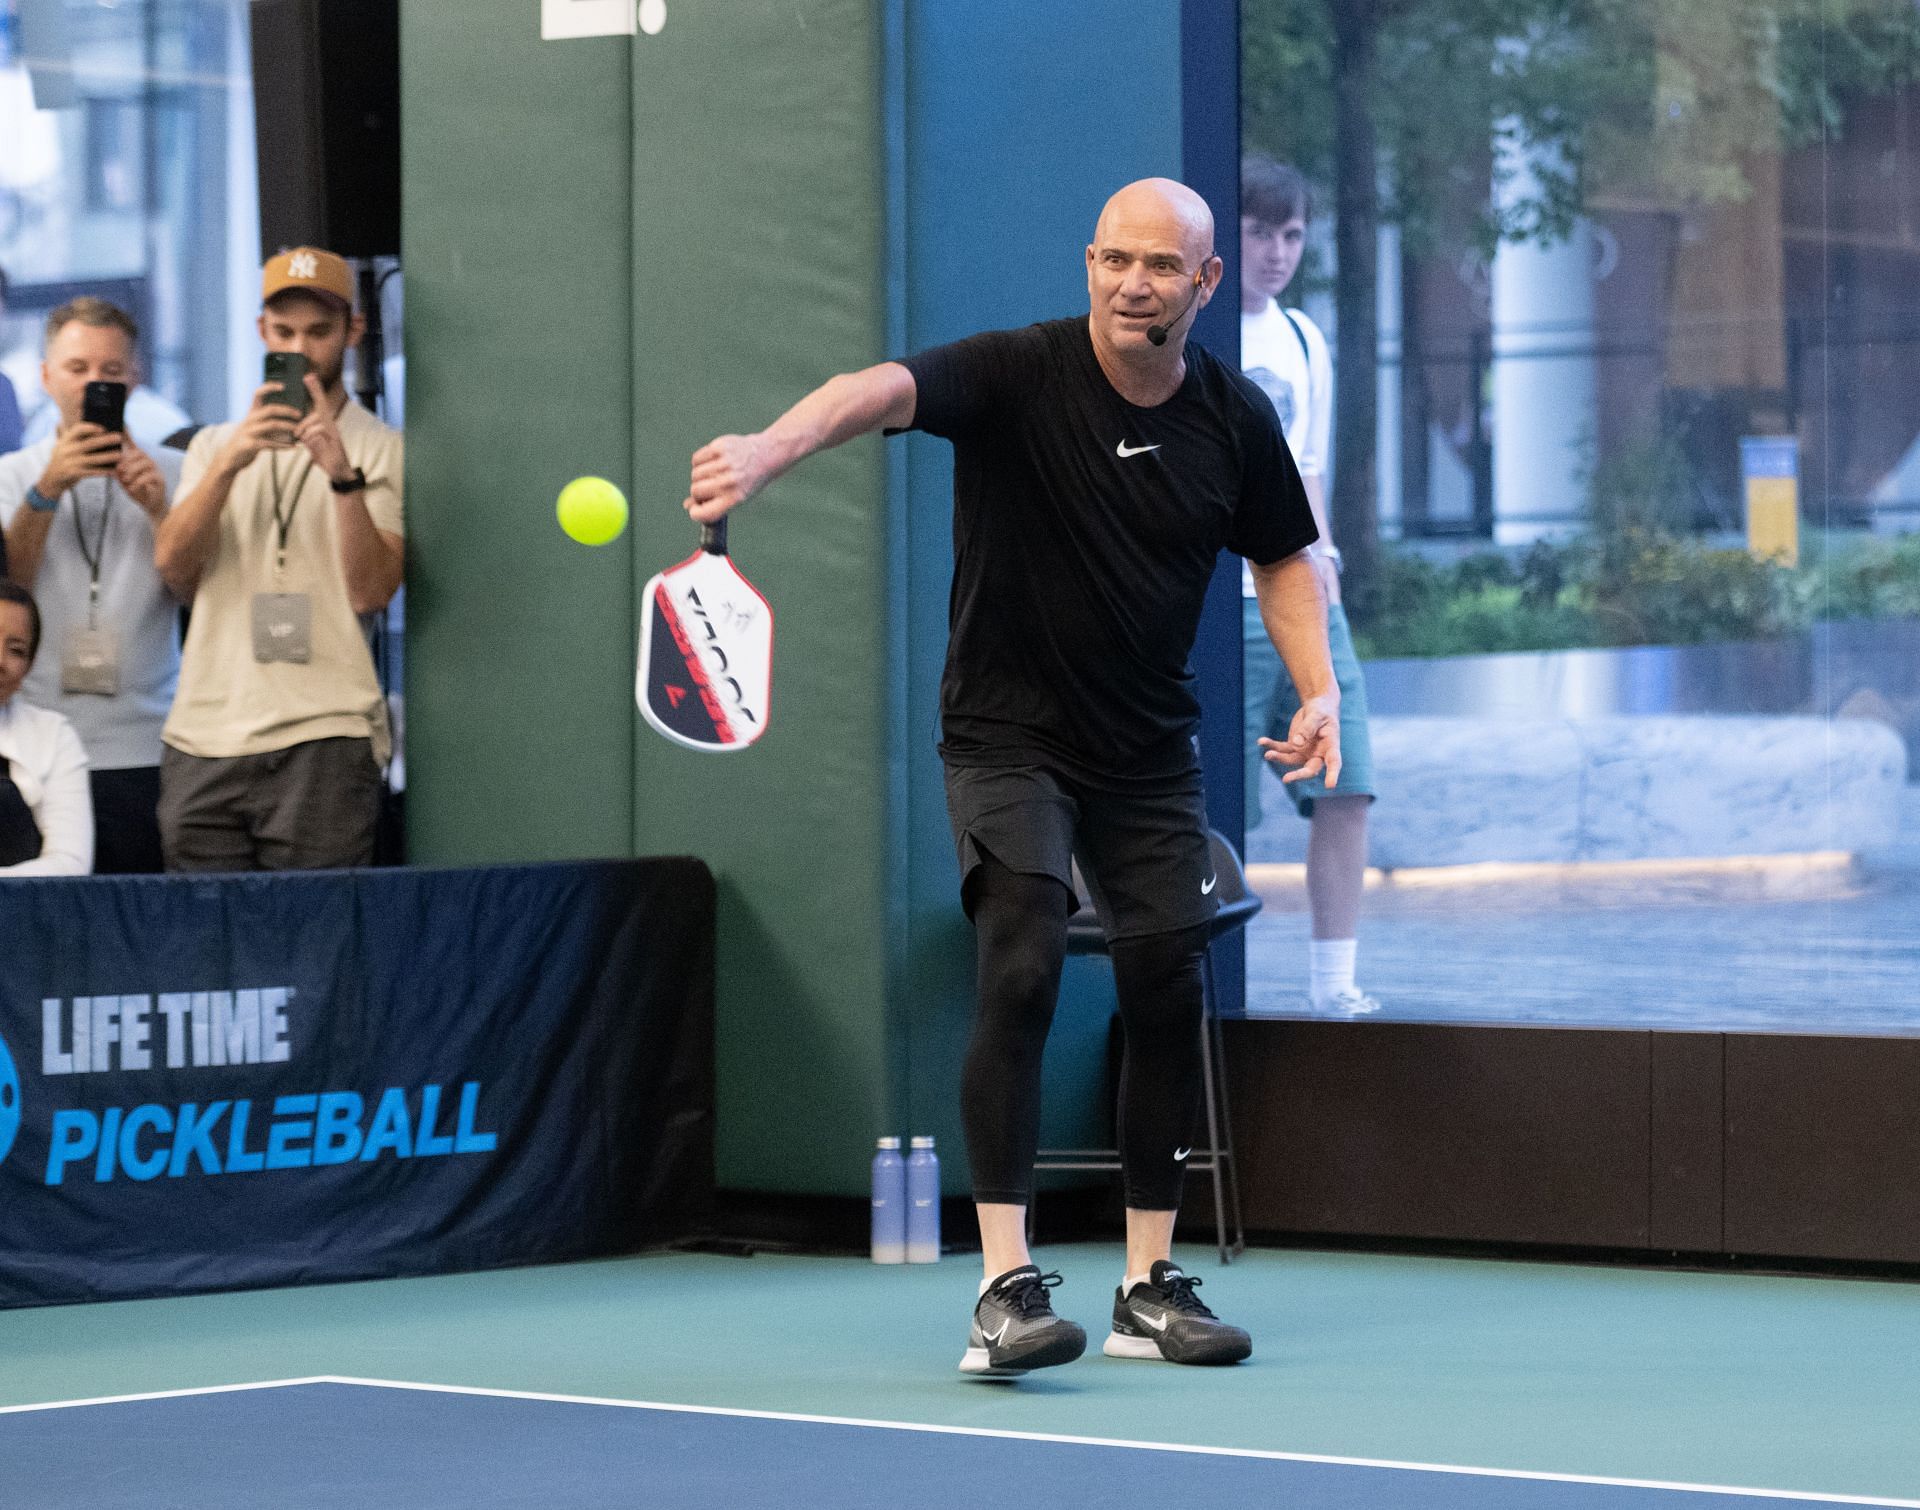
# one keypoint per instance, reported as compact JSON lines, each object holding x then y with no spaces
{"x":758,"y":234}
{"x":617,"y":248}
{"x":516,"y":160}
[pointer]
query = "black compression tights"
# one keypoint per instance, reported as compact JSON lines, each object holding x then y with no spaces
{"x":1020,"y":922}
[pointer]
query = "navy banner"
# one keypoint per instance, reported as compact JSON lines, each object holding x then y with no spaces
{"x":217,"y":1082}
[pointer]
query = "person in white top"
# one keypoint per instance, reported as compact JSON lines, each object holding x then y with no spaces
{"x":80,"y":508}
{"x":1284,"y":352}
{"x":46,"y":816}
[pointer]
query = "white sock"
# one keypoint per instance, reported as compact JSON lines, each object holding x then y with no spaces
{"x":1330,"y":968}
{"x":1127,"y":1284}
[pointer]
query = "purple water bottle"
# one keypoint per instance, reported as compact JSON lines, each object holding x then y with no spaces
{"x":889,"y":1204}
{"x":923,"y":1203}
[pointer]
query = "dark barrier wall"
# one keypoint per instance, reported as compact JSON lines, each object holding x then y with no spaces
{"x":619,"y":247}
{"x":243,"y":1081}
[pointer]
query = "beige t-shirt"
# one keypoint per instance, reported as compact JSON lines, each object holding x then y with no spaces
{"x":229,"y":703}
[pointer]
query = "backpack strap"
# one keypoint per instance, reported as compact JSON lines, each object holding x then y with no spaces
{"x":1300,"y":336}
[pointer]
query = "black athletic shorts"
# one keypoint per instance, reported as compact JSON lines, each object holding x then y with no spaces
{"x":1143,"y":852}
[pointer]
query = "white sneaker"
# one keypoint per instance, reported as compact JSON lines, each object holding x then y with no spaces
{"x":1351,"y":1002}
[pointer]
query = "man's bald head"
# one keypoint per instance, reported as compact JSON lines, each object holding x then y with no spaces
{"x":1164,"y":205}
{"x":1150,"y":266}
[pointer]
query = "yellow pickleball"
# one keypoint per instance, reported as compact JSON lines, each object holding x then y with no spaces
{"x":592,"y":510}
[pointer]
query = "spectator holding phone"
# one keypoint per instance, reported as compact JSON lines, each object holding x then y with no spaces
{"x":80,"y":509}
{"x":288,"y":528}
{"x":46,"y":818}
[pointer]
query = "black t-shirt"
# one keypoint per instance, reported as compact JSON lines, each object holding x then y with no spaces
{"x":1085,"y":531}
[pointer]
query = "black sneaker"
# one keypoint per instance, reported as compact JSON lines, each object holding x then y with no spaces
{"x":1014,"y":1328}
{"x":1163,"y":1318}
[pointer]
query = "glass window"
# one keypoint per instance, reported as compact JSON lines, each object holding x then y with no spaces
{"x":127,"y":170}
{"x":1623,"y":363}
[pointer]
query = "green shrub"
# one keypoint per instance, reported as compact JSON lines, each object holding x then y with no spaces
{"x":1865,"y":578}
{"x":1651,"y":588}
{"x":1472,"y":622}
{"x":1637,"y":584}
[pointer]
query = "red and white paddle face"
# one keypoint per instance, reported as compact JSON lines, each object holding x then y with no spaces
{"x":706,"y":655}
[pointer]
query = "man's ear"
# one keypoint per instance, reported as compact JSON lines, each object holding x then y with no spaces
{"x":356,"y":328}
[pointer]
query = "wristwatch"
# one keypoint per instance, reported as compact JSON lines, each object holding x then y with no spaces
{"x":39,"y":502}
{"x":351,"y":484}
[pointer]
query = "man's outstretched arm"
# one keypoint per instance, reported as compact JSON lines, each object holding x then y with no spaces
{"x":1294,"y":610}
{"x":730,"y":469}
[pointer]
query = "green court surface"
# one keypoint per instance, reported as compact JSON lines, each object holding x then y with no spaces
{"x":1794,"y":1384}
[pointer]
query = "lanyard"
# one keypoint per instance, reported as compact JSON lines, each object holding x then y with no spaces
{"x":96,"y":554}
{"x":284,"y":522}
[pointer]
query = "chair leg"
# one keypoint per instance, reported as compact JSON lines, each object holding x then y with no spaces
{"x":1218,"y":1126}
{"x":1219,"y":1047}
{"x":1209,"y":1090}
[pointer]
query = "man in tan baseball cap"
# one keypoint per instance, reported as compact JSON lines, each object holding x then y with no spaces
{"x":308,"y":270}
{"x":287,"y":529}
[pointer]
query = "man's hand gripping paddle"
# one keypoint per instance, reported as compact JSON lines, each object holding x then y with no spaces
{"x":706,"y":651}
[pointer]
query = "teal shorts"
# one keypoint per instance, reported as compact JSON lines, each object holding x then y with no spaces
{"x":1271,"y":703}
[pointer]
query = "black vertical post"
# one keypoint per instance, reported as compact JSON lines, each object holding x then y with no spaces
{"x":1479,"y":445}
{"x":369,"y":363}
{"x":1210,"y":127}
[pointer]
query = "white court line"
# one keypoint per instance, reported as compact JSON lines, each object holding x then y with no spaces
{"x":169,"y":1394}
{"x":980,"y":1431}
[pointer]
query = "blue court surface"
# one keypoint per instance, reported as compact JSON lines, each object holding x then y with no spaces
{"x":336,"y":1442}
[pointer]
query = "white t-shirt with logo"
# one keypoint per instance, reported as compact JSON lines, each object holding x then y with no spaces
{"x":1284,"y":352}
{"x":121,"y":732}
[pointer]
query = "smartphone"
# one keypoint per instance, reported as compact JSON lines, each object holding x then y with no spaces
{"x":288,"y":369}
{"x":105,"y":405}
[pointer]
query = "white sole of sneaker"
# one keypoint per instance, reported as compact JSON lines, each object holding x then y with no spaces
{"x":975,"y":1361}
{"x":1118,"y":1346}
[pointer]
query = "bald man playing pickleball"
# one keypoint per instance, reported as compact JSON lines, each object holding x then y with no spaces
{"x":1100,"y":466}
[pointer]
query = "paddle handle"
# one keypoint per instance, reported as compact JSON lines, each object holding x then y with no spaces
{"x":713,"y":537}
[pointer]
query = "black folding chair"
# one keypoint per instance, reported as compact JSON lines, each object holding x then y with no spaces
{"x":1215,"y":1158}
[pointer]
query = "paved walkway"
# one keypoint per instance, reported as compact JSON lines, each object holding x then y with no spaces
{"x":1832,"y":949}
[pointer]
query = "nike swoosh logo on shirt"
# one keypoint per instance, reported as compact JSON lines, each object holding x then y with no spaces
{"x":1179,"y":1154}
{"x":1206,"y":886}
{"x":1123,"y":449}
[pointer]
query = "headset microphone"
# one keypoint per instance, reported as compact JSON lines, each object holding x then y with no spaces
{"x":1158,"y":334}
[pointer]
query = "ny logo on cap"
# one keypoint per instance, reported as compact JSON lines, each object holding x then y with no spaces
{"x":302,"y":265}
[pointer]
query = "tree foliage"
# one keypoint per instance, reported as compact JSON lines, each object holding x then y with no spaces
{"x":1647,"y":98}
{"x":1482,"y":121}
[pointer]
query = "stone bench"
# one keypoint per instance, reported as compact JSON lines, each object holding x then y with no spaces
{"x":1460,"y":791}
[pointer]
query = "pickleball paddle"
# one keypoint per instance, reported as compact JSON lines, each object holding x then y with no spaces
{"x":706,"y":651}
